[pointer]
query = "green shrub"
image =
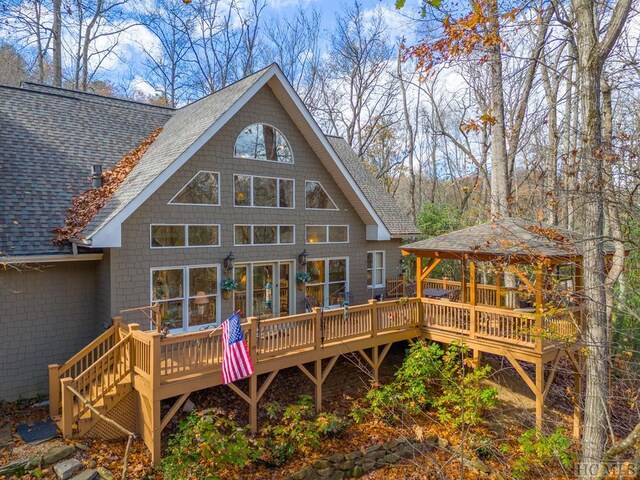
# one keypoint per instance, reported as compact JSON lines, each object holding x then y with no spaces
{"x":412,"y":389}
{"x":296,"y":429}
{"x":431,"y":378}
{"x":463,"y":400}
{"x":205,"y":446}
{"x":536,"y":450}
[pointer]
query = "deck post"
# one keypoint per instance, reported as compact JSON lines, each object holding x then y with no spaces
{"x":116,"y":321}
{"x":539,"y":393}
{"x":317,"y":330}
{"x":375,"y":358}
{"x":418,"y":275}
{"x":67,"y":408}
{"x":318,"y":382}
{"x":539,"y":308}
{"x":54,"y":390}
{"x":499,"y":287}
{"x":463,"y":279}
{"x":373,"y":311}
{"x":253,"y":379}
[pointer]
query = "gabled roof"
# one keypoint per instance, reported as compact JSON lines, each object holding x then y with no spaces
{"x":192,"y":126}
{"x":510,"y":239}
{"x":398,"y":223}
{"x":49,"y":138}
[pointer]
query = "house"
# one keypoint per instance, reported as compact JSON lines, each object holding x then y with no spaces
{"x":241,"y":185}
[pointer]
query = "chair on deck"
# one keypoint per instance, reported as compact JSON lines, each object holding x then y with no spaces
{"x":310,"y":303}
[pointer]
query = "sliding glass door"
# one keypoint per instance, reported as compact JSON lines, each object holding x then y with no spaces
{"x":265,"y":289}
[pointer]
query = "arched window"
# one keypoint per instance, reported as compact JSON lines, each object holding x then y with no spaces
{"x":263,"y":142}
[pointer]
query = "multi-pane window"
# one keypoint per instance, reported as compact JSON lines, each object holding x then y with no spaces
{"x":264,"y":234}
{"x":202,"y":189}
{"x":263,"y":142}
{"x":375,"y":269}
{"x":187,"y":296}
{"x":327,"y":234}
{"x":316,"y":197}
{"x":254,"y":191}
{"x":171,"y":236}
{"x":329,"y":281}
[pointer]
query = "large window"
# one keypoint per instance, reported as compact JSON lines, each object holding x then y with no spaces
{"x":327,"y":234}
{"x":172,"y":236}
{"x":375,"y":269}
{"x":329,"y":283}
{"x":316,"y":197}
{"x":264,"y":234}
{"x":252,"y":191}
{"x":187,"y":296}
{"x":202,"y":189}
{"x":263,"y":142}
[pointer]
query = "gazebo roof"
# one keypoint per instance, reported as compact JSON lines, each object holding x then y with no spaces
{"x":515,"y":240}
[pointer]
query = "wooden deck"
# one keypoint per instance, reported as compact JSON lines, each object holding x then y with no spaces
{"x":126,"y":361}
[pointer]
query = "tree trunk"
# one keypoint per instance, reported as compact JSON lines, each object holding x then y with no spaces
{"x":591,"y":56}
{"x":499,"y":172}
{"x":56,"y":37}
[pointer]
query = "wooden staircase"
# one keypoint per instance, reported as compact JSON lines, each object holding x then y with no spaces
{"x":98,"y":379}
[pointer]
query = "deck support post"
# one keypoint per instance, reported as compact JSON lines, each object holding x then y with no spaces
{"x":576,"y":362}
{"x":67,"y":408}
{"x":156,"y":432}
{"x":318,"y":382}
{"x":54,"y":390}
{"x":539,"y":393}
{"x":253,"y":403}
{"x":376,"y":363}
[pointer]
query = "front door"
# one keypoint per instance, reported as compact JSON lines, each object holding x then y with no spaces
{"x":265,"y":289}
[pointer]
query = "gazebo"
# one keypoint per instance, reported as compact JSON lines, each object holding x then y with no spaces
{"x":527,"y":306}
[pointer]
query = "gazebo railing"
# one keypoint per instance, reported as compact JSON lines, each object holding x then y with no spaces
{"x":485,"y":294}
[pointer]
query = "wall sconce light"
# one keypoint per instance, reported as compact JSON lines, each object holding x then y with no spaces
{"x":302,"y":258}
{"x":228,"y":262}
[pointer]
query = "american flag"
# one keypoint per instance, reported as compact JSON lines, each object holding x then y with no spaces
{"x":236,"y":362}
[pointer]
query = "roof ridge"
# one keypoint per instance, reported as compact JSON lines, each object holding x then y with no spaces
{"x":61,"y":92}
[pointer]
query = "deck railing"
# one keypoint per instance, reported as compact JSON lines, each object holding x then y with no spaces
{"x":178,"y":356}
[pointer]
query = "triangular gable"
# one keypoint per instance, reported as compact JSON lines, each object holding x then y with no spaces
{"x":191,"y":127}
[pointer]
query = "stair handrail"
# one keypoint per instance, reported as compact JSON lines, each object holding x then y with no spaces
{"x":74,"y":383}
{"x":58,"y":372}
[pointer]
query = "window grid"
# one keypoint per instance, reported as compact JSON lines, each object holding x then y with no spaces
{"x":376,"y":268}
{"x":185,"y":227}
{"x":279,"y":189}
{"x":327,"y":234}
{"x":252,"y":242}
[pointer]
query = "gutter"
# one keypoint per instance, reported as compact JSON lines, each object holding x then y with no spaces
{"x":50,"y":258}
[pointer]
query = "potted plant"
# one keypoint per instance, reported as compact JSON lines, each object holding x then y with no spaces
{"x":227,"y":286}
{"x":302,"y":278}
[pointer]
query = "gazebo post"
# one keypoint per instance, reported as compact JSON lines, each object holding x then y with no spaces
{"x":477,"y":354}
{"x":418,"y":275}
{"x":463,"y":279}
{"x":498,"y":286}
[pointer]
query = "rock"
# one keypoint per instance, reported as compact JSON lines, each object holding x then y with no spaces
{"x":337,"y":475}
{"x":81,"y":446}
{"x":432,"y":440}
{"x":353,"y":455}
{"x":391,"y":445}
{"x":67,"y":468}
{"x":325,"y":472}
{"x":6,"y":439}
{"x":376,"y":454}
{"x":321,"y":464}
{"x":104,"y":473}
{"x":391,"y":458}
{"x":372,"y":448}
{"x":345,"y":465}
{"x":19,"y":466}
{"x":91,"y":464}
{"x":357,"y":471}
{"x":408,"y":451}
{"x":188,"y":406}
{"x":335,"y":458}
{"x":40,"y":404}
{"x":443,"y":443}
{"x":368,"y":465}
{"x":86,"y":475}
{"x":475,"y":464}
{"x":301,"y":474}
{"x":56,"y":454}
